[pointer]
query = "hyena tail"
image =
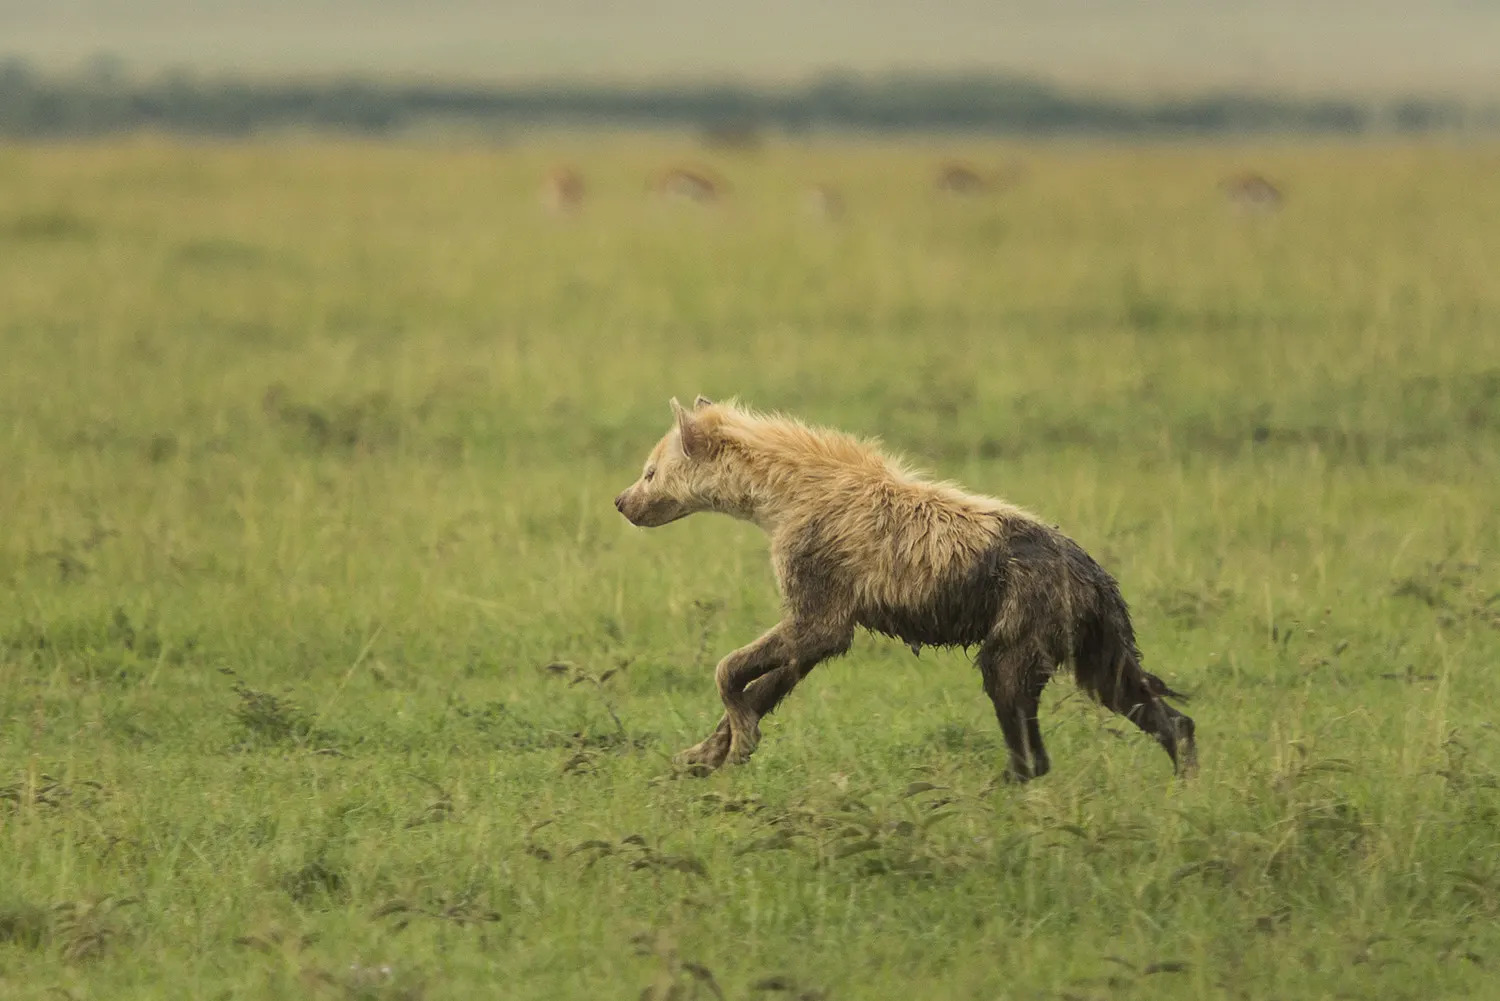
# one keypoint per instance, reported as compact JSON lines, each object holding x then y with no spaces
{"x":1107,"y":665}
{"x":1160,"y":689}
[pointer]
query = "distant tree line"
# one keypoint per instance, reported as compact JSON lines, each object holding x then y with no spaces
{"x":102,"y":100}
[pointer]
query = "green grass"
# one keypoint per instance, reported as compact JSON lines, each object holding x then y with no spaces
{"x":323,"y":651}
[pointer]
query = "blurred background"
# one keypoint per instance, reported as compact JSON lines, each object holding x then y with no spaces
{"x":1347,"y":66}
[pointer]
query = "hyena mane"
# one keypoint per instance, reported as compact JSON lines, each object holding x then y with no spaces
{"x":858,"y":540}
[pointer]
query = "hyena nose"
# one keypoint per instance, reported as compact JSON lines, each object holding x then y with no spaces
{"x":620,"y":503}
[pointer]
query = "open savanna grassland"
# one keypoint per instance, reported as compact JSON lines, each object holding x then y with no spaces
{"x":327,"y":669}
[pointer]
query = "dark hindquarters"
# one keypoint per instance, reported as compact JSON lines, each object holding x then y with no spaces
{"x":1072,"y":609}
{"x":1014,"y":676}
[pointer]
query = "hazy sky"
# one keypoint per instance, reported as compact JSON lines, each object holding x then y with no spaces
{"x":1350,"y":45}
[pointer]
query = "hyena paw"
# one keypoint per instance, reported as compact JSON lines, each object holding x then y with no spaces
{"x":704,"y":757}
{"x":1187,"y":759}
{"x":1185,"y":749}
{"x":742,"y":747}
{"x":1020,"y":771}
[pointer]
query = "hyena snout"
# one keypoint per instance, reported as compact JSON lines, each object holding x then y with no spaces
{"x":647,"y":511}
{"x":633,"y":508}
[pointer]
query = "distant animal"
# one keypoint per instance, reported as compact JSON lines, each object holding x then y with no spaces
{"x":687,"y":185}
{"x":859,"y":540}
{"x":1252,"y":191}
{"x":734,"y":135}
{"x":563,"y":189}
{"x":824,"y":201}
{"x":960,"y":179}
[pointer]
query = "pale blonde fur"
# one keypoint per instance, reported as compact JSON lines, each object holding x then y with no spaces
{"x":904,"y":531}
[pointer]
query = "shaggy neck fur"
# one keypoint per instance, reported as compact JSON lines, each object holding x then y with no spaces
{"x":782,"y":469}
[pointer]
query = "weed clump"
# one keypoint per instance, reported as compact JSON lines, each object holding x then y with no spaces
{"x":270,"y":720}
{"x":77,"y":929}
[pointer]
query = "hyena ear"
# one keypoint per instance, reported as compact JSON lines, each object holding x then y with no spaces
{"x":701,"y":402}
{"x":697,"y":442}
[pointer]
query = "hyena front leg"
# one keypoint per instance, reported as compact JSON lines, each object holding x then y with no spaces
{"x":754,"y":679}
{"x":736,"y":671}
{"x":764,"y":694}
{"x":708,"y":753}
{"x":750,"y":692}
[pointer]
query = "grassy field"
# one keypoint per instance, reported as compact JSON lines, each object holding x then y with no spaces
{"x":327,"y":669}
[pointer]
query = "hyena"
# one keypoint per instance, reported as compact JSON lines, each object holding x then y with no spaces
{"x":959,"y":179}
{"x":825,"y":202}
{"x":563,"y":189}
{"x":859,"y":540}
{"x":682,"y":184}
{"x":1252,"y":191}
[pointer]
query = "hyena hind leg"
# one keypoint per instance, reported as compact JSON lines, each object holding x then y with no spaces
{"x":1135,"y":694}
{"x":1014,"y":676}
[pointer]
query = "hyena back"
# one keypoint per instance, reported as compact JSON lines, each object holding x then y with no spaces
{"x":858,"y":540}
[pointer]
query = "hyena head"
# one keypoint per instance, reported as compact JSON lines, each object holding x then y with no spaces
{"x":683,"y":474}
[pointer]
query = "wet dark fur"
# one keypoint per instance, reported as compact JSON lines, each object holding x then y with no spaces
{"x":1033,"y":601}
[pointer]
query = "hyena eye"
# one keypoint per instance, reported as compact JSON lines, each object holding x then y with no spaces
{"x":650,"y":473}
